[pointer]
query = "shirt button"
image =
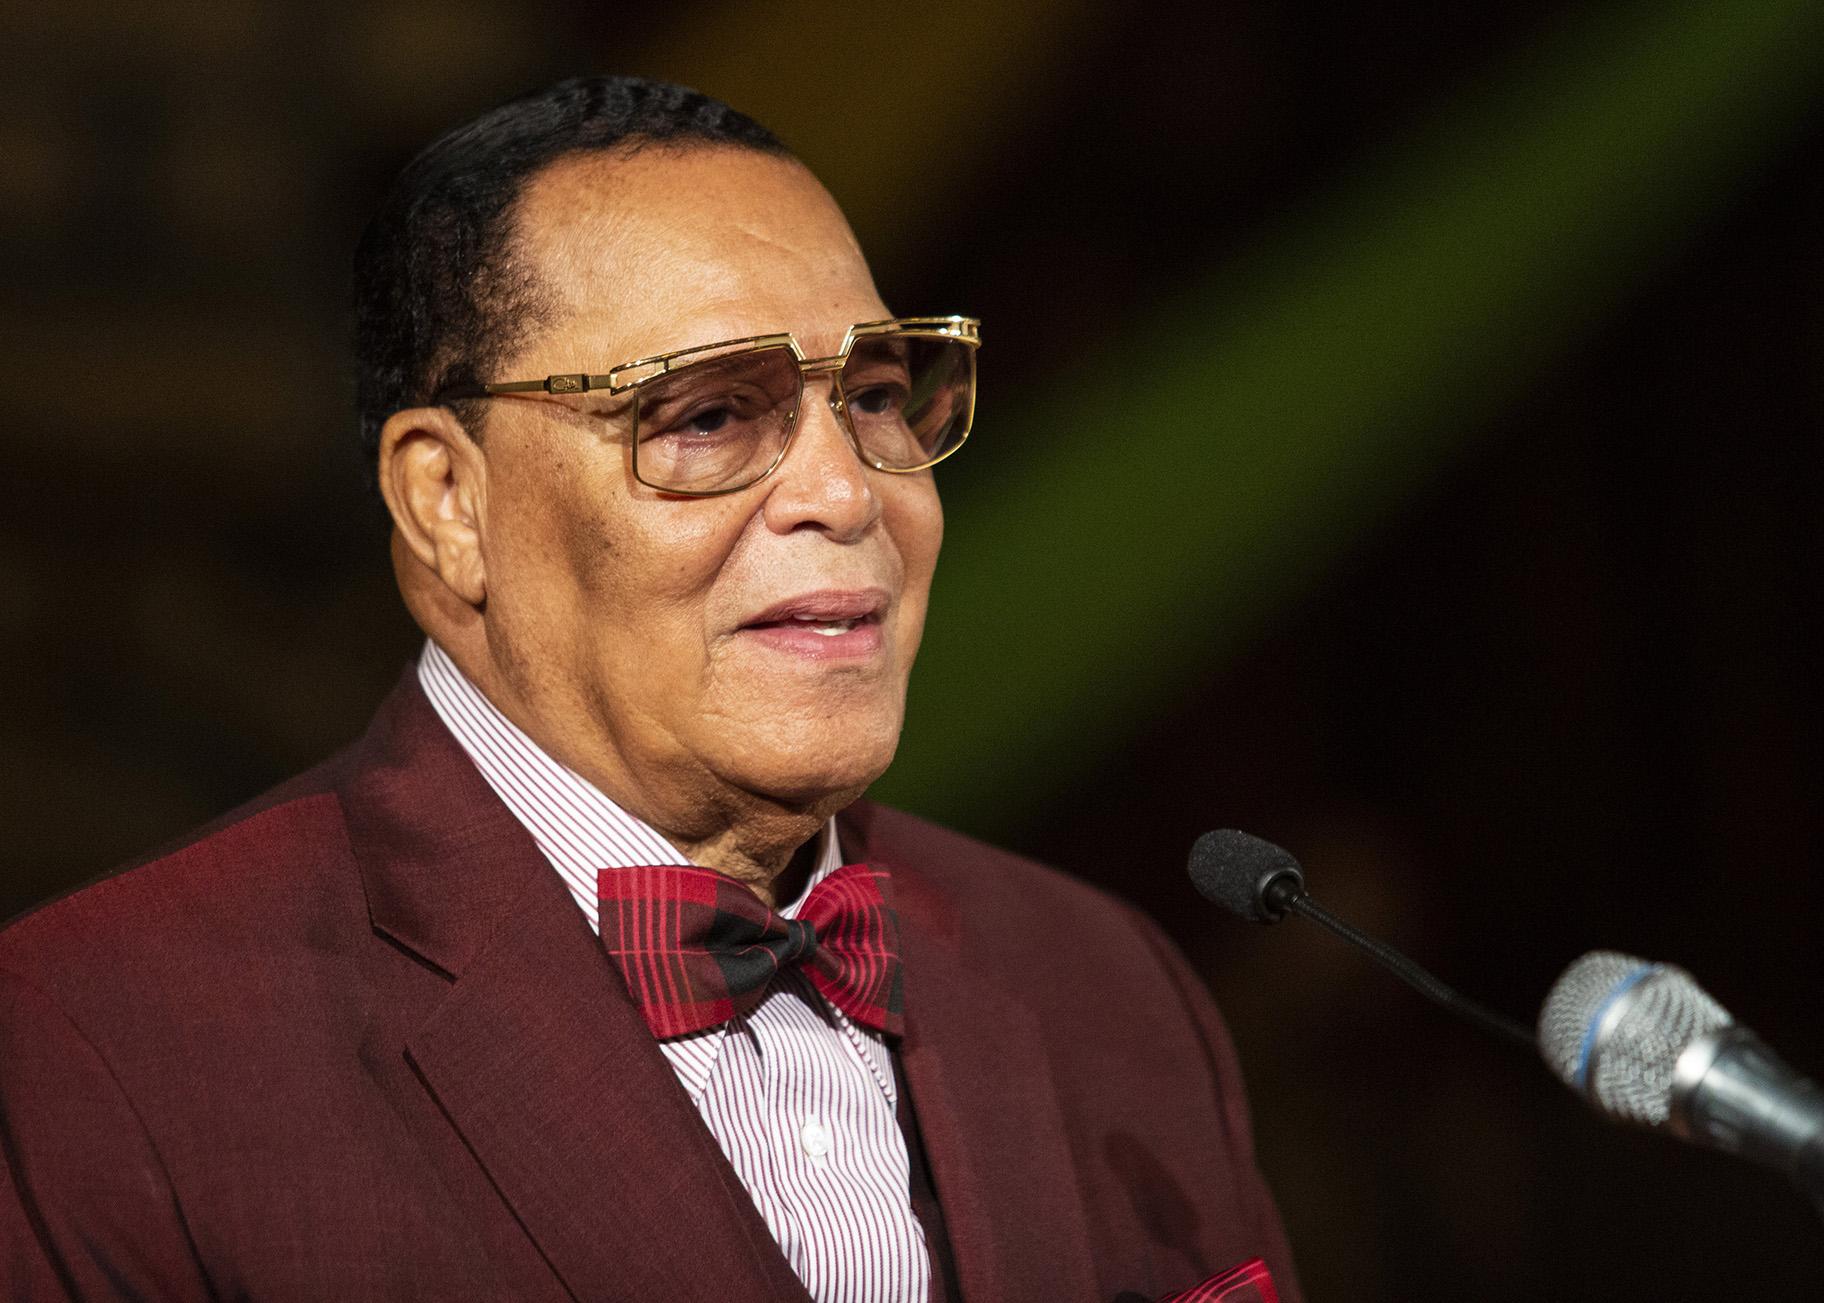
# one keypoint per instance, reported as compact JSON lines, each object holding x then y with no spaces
{"x":815,"y":1137}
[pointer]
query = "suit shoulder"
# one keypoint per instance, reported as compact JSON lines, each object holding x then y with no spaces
{"x":244,"y":870}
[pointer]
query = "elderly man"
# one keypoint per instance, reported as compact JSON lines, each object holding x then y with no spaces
{"x":585,"y":973}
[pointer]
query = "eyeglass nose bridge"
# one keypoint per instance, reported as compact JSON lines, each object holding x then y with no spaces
{"x":832,"y":367}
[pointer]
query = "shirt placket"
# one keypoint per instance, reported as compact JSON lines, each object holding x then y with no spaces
{"x":790,"y":1167}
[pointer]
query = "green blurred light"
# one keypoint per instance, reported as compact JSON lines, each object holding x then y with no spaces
{"x":1246,"y":437}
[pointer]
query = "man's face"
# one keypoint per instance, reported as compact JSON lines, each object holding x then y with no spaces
{"x":646,"y":639}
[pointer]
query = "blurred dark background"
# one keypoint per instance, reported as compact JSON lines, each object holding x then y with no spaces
{"x":1399,"y":438}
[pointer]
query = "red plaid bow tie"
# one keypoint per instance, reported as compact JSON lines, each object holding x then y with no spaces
{"x":697,"y":948}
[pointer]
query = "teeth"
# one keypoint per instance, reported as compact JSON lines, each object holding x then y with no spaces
{"x":828,"y":628}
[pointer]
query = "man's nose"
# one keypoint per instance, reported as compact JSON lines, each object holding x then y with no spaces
{"x":822,"y":482}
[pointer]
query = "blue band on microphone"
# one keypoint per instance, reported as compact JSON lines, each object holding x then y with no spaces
{"x":1621,"y":988}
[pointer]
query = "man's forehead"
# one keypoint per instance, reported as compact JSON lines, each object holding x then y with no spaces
{"x":664,"y":243}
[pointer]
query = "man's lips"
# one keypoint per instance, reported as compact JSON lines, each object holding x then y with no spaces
{"x":826,"y":606}
{"x":829,"y":623}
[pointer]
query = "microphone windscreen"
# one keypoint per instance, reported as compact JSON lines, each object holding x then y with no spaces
{"x":1231,"y":867}
{"x":1613,"y":1028}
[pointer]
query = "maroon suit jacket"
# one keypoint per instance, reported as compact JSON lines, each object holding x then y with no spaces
{"x":357,"y":1042}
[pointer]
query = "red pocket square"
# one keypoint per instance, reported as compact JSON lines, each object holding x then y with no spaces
{"x":1251,"y":1282}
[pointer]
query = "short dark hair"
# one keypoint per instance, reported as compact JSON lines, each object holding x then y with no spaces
{"x":439,"y":296}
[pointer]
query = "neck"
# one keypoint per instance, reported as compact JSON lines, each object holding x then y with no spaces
{"x":773,"y":881}
{"x":767,"y":846}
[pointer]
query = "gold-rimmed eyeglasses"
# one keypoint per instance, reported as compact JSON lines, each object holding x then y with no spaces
{"x":716,"y":418}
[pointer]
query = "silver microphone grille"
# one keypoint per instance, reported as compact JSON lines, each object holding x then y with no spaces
{"x":1613,"y":1028}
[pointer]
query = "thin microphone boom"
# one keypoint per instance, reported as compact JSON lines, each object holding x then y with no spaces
{"x":1410,"y":973}
{"x":1262,"y":882}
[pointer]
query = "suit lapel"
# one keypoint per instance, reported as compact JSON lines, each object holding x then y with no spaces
{"x":540,"y":1060}
{"x":537,"y":1056}
{"x":993,"y":1128}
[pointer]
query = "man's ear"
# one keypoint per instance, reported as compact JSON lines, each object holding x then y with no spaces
{"x":434,"y":479}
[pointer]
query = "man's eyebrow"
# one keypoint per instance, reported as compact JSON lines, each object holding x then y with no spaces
{"x":897,"y":348}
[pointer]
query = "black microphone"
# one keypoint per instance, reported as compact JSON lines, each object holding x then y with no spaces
{"x":1263,"y":883}
{"x":1645,"y":1044}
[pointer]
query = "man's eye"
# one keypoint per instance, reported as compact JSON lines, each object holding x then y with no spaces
{"x":878,"y":400}
{"x":710,"y":420}
{"x":702,"y":416}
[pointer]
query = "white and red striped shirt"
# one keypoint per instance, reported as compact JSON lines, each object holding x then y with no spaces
{"x":800,"y":1099}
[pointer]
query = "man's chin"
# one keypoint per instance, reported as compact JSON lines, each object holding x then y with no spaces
{"x":818,"y":780}
{"x":822,"y":793}
{"x":798,"y":751}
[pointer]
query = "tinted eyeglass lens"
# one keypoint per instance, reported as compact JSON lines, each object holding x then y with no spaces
{"x":718,"y":424}
{"x":909,"y":397}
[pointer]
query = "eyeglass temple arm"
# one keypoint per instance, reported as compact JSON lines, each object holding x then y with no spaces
{"x":575,"y":382}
